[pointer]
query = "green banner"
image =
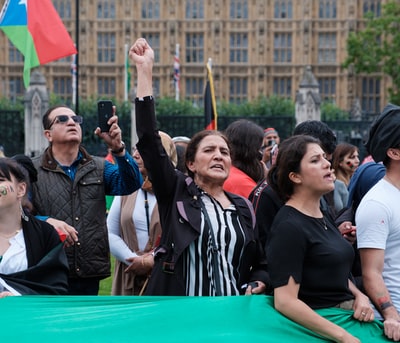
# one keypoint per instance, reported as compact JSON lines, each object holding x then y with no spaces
{"x":162,"y":319}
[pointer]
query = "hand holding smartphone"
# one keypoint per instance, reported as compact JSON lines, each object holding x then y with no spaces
{"x":104,"y":113}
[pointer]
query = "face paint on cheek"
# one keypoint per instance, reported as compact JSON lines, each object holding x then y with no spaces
{"x":4,"y":190}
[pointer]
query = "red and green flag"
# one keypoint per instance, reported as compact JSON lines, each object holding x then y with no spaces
{"x":36,"y":30}
{"x":210,"y":105}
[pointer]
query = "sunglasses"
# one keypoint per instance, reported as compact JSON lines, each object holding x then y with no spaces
{"x":63,"y":118}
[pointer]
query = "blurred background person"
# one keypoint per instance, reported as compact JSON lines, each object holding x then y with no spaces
{"x":245,"y":139}
{"x":271,"y":138}
{"x":345,"y":161}
{"x":134,"y":230}
{"x":181,"y":143}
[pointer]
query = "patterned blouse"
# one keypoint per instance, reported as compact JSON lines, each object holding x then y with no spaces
{"x":199,"y":271}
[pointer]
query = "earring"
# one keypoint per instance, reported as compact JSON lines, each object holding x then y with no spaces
{"x":23,"y":214}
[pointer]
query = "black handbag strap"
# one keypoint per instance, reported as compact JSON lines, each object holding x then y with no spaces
{"x":214,"y":256}
{"x":146,"y":207}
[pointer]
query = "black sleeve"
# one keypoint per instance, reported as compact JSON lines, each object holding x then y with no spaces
{"x":158,"y":164}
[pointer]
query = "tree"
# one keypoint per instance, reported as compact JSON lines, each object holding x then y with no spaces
{"x":262,"y":106}
{"x":169,"y":106}
{"x":330,"y":112}
{"x":375,"y":49}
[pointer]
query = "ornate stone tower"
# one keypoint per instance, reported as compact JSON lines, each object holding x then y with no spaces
{"x":308,"y":99}
{"x":36,"y":101}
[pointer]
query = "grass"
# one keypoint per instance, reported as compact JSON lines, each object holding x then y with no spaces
{"x":105,"y":284}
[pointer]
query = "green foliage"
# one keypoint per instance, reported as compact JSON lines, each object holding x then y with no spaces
{"x":55,"y":99}
{"x":330,"y":112}
{"x":169,"y":106}
{"x":375,"y":48}
{"x":7,"y":105}
{"x":273,"y":106}
{"x":268,"y":106}
{"x":225,"y":108}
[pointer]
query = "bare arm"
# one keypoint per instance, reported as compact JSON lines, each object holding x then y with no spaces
{"x":362,"y":307}
{"x":143,"y":56}
{"x":372,"y":261}
{"x":287,"y":302}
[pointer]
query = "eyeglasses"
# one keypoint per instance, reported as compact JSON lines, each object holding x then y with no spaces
{"x":63,"y":118}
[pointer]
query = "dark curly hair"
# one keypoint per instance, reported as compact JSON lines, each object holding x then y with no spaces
{"x":320,"y":130}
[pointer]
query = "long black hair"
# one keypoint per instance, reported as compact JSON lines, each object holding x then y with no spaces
{"x":246,"y":138}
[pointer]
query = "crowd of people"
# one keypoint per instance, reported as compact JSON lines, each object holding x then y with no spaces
{"x":218,"y":214}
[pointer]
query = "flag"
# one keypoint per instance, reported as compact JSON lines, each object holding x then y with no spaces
{"x":37,"y":31}
{"x":210,"y":106}
{"x":176,"y":72}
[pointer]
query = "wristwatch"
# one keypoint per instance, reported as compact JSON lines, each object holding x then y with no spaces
{"x":121,"y":149}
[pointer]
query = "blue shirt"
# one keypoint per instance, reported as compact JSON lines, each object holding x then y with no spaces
{"x":121,"y":178}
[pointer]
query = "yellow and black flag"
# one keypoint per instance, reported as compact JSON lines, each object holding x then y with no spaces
{"x":210,"y":105}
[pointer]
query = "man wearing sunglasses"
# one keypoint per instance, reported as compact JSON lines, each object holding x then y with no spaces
{"x":71,"y":189}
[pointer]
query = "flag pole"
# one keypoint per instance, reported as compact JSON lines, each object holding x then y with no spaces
{"x":73,"y":78}
{"x":210,"y":106}
{"x":177,"y":72}
{"x":77,"y":57}
{"x":126,"y":73}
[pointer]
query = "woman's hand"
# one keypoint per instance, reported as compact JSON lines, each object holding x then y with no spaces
{"x":141,"y":53}
{"x":256,"y":287}
{"x":5,"y":294}
{"x":140,"y":265}
{"x":363,"y":310}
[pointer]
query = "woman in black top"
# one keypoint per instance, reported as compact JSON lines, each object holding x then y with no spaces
{"x":309,"y":261}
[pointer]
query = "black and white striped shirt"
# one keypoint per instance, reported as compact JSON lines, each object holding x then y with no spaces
{"x":199,"y":273}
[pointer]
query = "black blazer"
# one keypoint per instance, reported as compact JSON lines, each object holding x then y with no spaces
{"x":180,"y":214}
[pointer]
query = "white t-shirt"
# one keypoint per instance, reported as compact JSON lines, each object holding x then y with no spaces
{"x":378,"y":227}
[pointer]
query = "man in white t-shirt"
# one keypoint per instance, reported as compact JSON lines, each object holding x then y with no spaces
{"x":378,"y":223}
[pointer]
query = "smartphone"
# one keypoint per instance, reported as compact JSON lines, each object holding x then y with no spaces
{"x":252,"y":284}
{"x":104,"y":113}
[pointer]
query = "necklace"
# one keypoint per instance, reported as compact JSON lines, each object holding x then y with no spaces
{"x":10,"y":235}
{"x":321,"y":221}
